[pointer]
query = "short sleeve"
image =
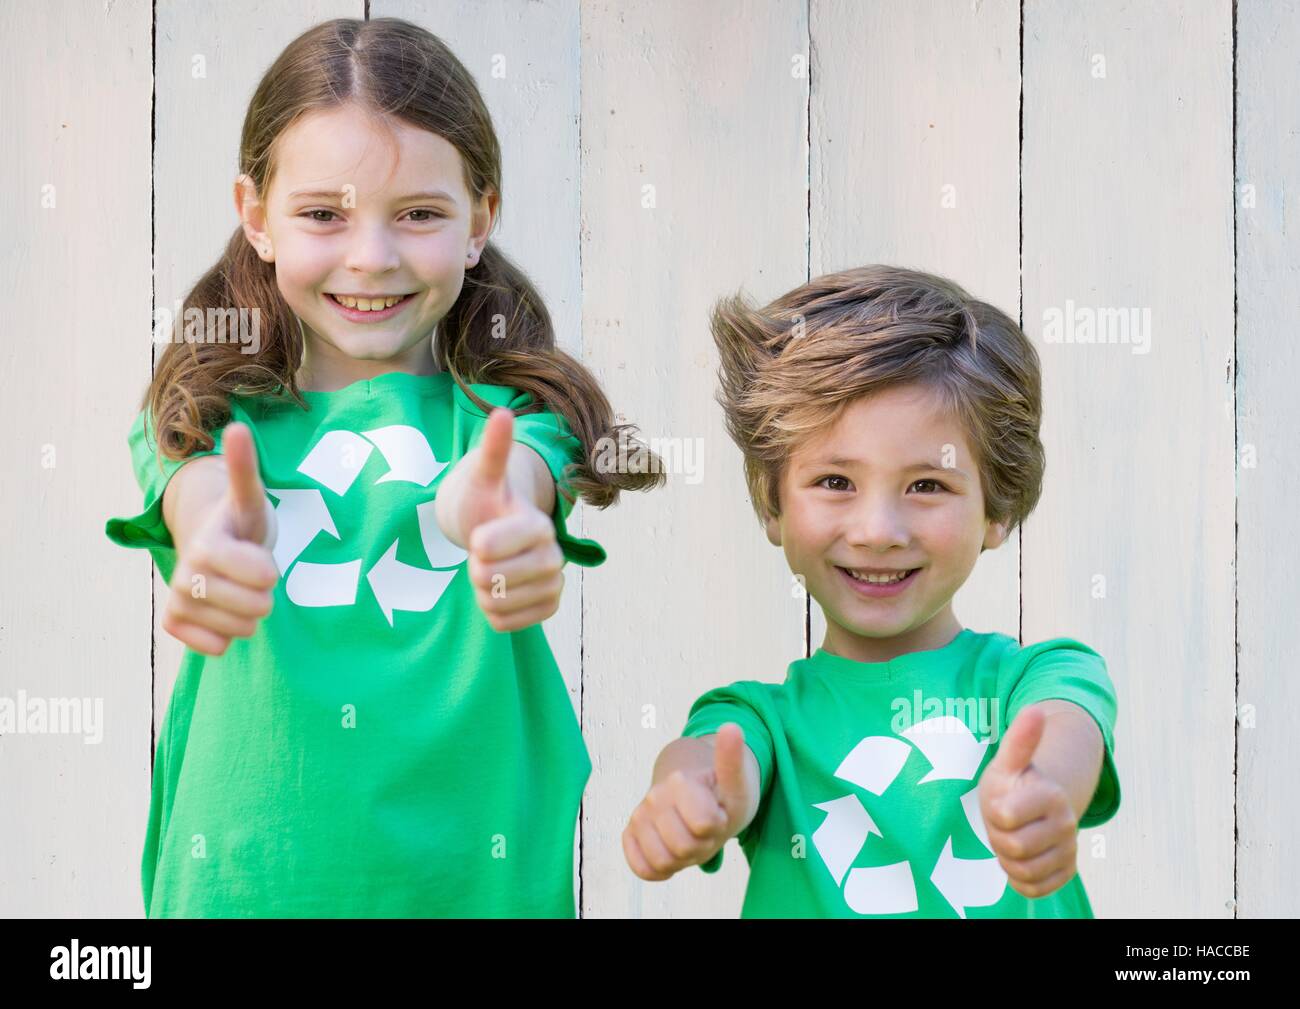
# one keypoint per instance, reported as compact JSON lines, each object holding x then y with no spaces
{"x":1064,"y":669}
{"x":549,"y":435}
{"x":735,"y":703}
{"x":153,"y":472}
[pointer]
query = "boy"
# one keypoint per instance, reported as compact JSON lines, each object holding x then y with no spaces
{"x":910,"y":767}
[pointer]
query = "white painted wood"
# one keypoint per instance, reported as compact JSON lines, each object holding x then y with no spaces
{"x":207,"y":69}
{"x":1127,"y":204}
{"x":74,"y":612}
{"x":693,"y":107}
{"x":1127,"y":188}
{"x":914,"y":163}
{"x":1268,"y":419}
{"x":525,"y":60}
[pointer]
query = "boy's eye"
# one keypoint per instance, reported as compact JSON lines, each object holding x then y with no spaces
{"x":823,"y":482}
{"x":425,"y":220}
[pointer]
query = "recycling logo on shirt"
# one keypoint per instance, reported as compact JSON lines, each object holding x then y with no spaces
{"x":873,"y":765}
{"x":335,"y":463}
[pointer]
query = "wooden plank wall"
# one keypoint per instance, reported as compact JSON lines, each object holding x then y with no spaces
{"x":1050,"y":157}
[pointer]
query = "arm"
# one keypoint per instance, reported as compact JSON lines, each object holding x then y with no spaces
{"x":194,"y":488}
{"x":1070,"y":751}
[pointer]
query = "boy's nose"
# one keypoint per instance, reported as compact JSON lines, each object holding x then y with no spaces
{"x":875,"y":525}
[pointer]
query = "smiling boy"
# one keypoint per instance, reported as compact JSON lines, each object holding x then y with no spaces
{"x":889,"y":427}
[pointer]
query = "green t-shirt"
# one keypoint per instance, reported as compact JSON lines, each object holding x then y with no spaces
{"x":870,"y":770}
{"x":375,"y":749}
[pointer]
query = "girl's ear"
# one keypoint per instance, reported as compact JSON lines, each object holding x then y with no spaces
{"x":774,"y":531}
{"x":253,"y":215}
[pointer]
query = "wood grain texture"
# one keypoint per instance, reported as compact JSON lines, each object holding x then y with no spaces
{"x":1268,"y":478}
{"x":1127,"y":206}
{"x":657,"y":157}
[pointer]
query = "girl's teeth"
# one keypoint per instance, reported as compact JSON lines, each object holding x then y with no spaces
{"x":877,"y":579}
{"x":366,"y":304}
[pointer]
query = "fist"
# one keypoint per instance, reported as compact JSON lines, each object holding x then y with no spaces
{"x":514,"y":558}
{"x":224,"y":574}
{"x":1032,"y":827}
{"x":688,"y":816}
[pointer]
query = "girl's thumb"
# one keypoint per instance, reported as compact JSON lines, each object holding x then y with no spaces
{"x":247,"y":496}
{"x":494,"y":449}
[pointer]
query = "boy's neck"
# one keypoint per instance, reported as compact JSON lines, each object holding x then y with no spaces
{"x":934,"y":634}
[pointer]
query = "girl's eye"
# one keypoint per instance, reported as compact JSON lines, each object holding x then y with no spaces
{"x":434,"y":214}
{"x":937,"y":484}
{"x":825,"y":478}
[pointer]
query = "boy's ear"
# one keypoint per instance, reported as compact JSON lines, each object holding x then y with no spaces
{"x":994,"y":536}
{"x":773,"y":527}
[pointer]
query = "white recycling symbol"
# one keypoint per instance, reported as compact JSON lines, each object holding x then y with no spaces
{"x":873,"y":764}
{"x":335,"y":463}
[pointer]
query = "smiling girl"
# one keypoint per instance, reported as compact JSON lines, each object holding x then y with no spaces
{"x":368,"y":720}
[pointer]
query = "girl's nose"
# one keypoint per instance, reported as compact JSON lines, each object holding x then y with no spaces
{"x":372,"y":251}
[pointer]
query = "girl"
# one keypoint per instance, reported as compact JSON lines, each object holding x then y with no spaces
{"x":350,"y":733}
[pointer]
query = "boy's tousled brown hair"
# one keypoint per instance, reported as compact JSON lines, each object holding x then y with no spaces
{"x":789,"y":369}
{"x":398,"y":72}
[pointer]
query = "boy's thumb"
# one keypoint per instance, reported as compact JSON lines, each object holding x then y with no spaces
{"x":247,"y":495}
{"x":729,"y":765}
{"x":1016,"y":750}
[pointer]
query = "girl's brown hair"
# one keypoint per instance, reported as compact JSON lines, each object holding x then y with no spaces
{"x":398,"y":72}
{"x":789,"y":369}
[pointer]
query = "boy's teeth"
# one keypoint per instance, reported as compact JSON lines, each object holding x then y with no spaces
{"x":366,"y":304}
{"x":877,"y":579}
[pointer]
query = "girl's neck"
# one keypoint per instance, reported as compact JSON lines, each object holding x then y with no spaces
{"x":325,"y":369}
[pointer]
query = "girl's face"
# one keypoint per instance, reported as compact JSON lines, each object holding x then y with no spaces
{"x":347,"y":215}
{"x":892,"y":485}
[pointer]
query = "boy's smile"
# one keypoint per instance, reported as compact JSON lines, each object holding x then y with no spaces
{"x":891,"y":487}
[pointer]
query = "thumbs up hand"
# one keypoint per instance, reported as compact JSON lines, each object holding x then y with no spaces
{"x":1032,"y":827}
{"x":685,"y":818}
{"x":514,"y":559}
{"x":224,"y":572}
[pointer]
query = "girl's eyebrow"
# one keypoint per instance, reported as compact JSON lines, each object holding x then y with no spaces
{"x":334,"y":194}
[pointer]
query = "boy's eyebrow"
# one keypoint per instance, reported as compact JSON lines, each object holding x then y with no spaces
{"x":914,"y":468}
{"x":334,"y":194}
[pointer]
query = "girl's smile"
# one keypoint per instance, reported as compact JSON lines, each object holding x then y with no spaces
{"x":372,"y":308}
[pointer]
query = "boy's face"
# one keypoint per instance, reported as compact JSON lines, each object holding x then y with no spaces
{"x":891,"y":486}
{"x":352,"y":210}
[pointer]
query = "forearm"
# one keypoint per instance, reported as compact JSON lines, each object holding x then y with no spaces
{"x":526,"y":472}
{"x":192,"y":490}
{"x":695,"y":753}
{"x":1070,"y":751}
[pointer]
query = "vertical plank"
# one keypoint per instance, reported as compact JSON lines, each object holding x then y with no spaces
{"x":524,"y":58}
{"x":914,"y":163}
{"x":694,"y":184}
{"x":1268,"y":480}
{"x":209,"y":62}
{"x":1127,"y":219}
{"x":74,"y":616}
